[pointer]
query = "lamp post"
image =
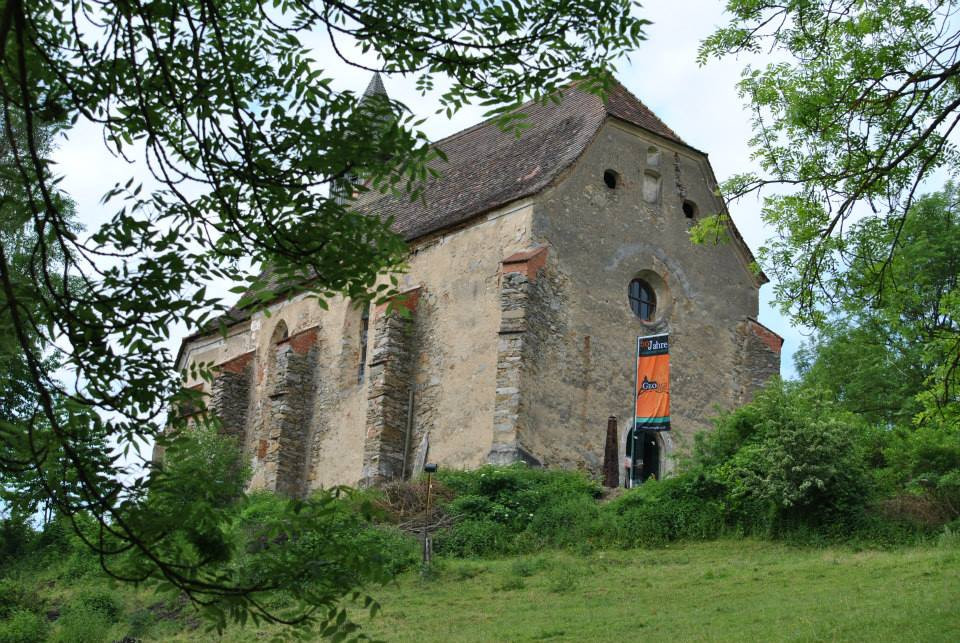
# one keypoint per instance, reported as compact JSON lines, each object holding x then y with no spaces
{"x":430,"y":469}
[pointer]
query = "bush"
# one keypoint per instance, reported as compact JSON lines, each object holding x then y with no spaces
{"x":926,"y":461}
{"x":790,"y":459}
{"x":472,"y":537}
{"x":79,"y":624}
{"x":100,"y":601}
{"x":23,"y":626}
{"x":14,"y":596}
{"x":16,"y":539}
{"x":335,"y":542}
{"x":516,"y":509}
{"x":393,"y":550}
{"x":659,"y":512}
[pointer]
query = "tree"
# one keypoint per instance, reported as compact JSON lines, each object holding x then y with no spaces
{"x":893,"y":362}
{"x":858,"y":113}
{"x":24,"y":433}
{"x":243,"y":135}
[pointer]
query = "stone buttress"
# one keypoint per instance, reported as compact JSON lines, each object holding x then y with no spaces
{"x":388,"y":392}
{"x":289,"y":411}
{"x":517,"y":339}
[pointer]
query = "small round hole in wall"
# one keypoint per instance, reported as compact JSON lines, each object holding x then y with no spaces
{"x":689,"y":209}
{"x":611,"y":179}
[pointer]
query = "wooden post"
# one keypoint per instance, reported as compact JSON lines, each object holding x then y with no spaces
{"x":611,"y":470}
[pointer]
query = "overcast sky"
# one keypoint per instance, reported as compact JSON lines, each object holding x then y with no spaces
{"x":700,"y":104}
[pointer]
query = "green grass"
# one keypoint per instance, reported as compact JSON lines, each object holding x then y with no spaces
{"x":726,"y":590}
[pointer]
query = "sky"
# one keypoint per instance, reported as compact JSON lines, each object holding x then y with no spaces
{"x":699,"y":103}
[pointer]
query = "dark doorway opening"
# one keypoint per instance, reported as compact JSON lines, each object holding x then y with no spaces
{"x":643,"y":453}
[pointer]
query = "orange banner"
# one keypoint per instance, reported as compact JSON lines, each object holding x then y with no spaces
{"x":653,"y":383}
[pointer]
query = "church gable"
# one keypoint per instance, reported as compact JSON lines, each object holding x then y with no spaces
{"x":486,"y":167}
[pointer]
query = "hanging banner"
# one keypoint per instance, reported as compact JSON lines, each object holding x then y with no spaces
{"x":653,"y":383}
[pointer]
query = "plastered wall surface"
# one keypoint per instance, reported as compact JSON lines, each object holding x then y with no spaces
{"x":453,"y":351}
{"x":602,"y":238}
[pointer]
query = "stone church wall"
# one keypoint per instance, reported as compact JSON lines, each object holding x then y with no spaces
{"x":520,"y":340}
{"x":288,"y":382}
{"x":601,"y":238}
{"x":456,"y":334}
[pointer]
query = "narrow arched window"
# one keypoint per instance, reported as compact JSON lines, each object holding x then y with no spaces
{"x":364,"y":333}
{"x":276,"y":366}
{"x":643,"y":300}
{"x":651,"y":187}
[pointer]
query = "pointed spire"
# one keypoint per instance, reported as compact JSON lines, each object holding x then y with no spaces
{"x":375,"y":88}
{"x":342,"y":189}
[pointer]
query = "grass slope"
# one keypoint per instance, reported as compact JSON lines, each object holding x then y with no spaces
{"x":725,"y":590}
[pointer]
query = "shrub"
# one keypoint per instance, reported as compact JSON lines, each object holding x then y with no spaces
{"x":566,"y":522}
{"x":472,"y":537}
{"x":79,"y":624}
{"x":100,"y":601}
{"x":658,"y":512}
{"x":517,"y":509}
{"x":334,"y":541}
{"x":139,"y":623}
{"x":393,"y":550}
{"x":23,"y":626}
{"x":16,"y":538}
{"x":789,"y":459}
{"x":926,"y":460}
{"x":14,"y":596}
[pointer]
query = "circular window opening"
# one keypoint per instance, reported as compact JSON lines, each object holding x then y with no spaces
{"x":643,"y":300}
{"x":611,"y":179}
{"x":689,"y":209}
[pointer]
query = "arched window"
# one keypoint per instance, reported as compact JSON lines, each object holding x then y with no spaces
{"x":364,"y":335}
{"x":276,"y":366}
{"x":651,"y":187}
{"x":643,"y":301}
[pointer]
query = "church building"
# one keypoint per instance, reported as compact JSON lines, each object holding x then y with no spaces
{"x":535,"y":264}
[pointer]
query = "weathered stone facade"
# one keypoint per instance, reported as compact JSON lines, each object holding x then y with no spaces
{"x":516,"y":341}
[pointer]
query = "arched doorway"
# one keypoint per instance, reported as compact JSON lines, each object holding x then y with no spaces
{"x":643,"y":454}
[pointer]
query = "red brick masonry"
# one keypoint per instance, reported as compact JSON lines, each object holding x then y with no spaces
{"x":527,"y":261}
{"x":301,"y":342}
{"x":767,"y":336}
{"x":238,"y":364}
{"x":407,"y":299}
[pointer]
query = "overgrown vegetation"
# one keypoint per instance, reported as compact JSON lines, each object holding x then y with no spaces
{"x":792,"y":465}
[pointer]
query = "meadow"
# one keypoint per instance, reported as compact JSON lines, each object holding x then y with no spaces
{"x":726,"y":590}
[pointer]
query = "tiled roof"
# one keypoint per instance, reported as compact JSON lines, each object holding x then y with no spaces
{"x":487,"y":167}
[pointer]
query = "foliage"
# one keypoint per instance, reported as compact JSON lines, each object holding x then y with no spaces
{"x":23,"y":626}
{"x":926,"y":461}
{"x":250,"y":149}
{"x":685,"y":507}
{"x":328,"y":552}
{"x":516,"y":508}
{"x":24,"y":432}
{"x":901,"y":352}
{"x":853,"y":119}
{"x":854,"y":115}
{"x":307,"y":554}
